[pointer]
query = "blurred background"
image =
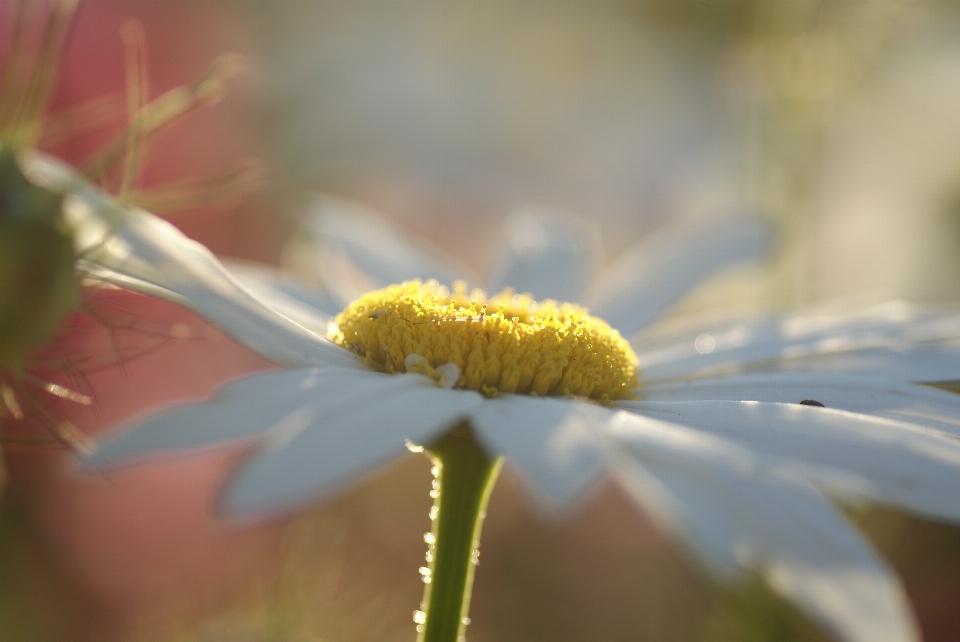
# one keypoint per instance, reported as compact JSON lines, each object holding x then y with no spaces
{"x":837,"y":119}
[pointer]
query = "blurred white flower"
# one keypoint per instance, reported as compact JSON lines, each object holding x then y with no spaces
{"x":735,"y":463}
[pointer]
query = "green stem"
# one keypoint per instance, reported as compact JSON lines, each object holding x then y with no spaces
{"x":466,"y":476}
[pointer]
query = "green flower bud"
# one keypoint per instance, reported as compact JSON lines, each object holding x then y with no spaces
{"x":38,"y":285}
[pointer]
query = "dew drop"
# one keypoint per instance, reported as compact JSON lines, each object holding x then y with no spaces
{"x":430,"y":538}
{"x":705,"y":344}
{"x":419,"y":617}
{"x":419,"y":628}
{"x":434,"y":511}
{"x":466,"y":621}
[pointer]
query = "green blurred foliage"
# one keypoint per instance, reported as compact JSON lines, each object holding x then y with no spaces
{"x":751,"y":613}
{"x":25,"y":598}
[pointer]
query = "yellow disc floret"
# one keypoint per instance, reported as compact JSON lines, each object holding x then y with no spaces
{"x":506,"y":343}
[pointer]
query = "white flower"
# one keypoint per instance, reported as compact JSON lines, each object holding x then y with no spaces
{"x":727,"y":459}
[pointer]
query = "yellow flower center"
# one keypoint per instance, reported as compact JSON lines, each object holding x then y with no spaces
{"x":506,"y":343}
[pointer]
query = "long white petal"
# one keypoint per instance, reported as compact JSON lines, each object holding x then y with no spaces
{"x":885,"y":335}
{"x":127,"y":282}
{"x":545,"y":253}
{"x":132,"y":243}
{"x":926,"y":362}
{"x":554,"y":446}
{"x":242,"y":409}
{"x":739,"y":512}
{"x":305,"y":304}
{"x":323,"y":448}
{"x":149,"y":249}
{"x":659,"y":270}
{"x":352,"y":250}
{"x":847,"y":454}
{"x":871,"y":395}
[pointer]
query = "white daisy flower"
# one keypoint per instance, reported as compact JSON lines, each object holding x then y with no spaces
{"x":738,"y":465}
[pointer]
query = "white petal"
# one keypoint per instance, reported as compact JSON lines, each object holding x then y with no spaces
{"x":889,"y":331}
{"x":850,"y":455}
{"x":242,"y":409}
{"x":739,"y":512}
{"x":127,"y":282}
{"x":927,"y":363}
{"x":352,"y":250}
{"x":148,"y":249}
{"x":284,"y":292}
{"x":659,"y":270}
{"x":555,"y":446}
{"x":330,"y":446}
{"x":547,"y":254}
{"x":877,"y":396}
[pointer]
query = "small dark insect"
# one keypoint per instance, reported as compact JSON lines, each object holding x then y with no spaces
{"x":812,"y":402}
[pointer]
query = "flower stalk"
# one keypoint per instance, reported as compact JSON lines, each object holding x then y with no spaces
{"x":466,"y":475}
